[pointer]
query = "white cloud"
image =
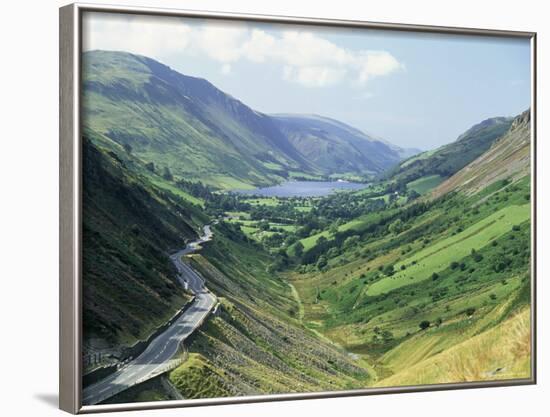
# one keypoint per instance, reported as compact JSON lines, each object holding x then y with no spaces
{"x":313,"y":76}
{"x":142,"y":35}
{"x":259,"y":46}
{"x":304,"y":57}
{"x":221,"y":43}
{"x":375,"y":64}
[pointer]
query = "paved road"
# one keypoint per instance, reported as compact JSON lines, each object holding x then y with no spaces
{"x":155,"y":359}
{"x":188,"y":277}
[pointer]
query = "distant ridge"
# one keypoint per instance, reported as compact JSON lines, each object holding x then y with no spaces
{"x":197,"y":131}
{"x":335,"y":146}
{"x":449,"y":159}
{"x":508,"y":158}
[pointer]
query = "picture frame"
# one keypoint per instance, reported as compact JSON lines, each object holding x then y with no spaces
{"x":71,"y":205}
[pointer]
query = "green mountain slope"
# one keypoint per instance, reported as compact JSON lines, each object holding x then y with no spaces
{"x":412,"y":282}
{"x":460,"y":266}
{"x":337,"y":148}
{"x":256,"y":343}
{"x":508,"y":158}
{"x":449,"y":159}
{"x":129,"y":226}
{"x":181,"y":122}
{"x":200,"y":133}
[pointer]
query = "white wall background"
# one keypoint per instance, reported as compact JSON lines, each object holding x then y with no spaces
{"x":28,"y":208}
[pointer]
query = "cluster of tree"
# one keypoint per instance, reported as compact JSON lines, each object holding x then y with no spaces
{"x":399,"y":186}
{"x":280,"y":261}
{"x":281,"y":213}
{"x":215,"y":203}
{"x":347,"y":206}
{"x":196,"y":189}
{"x":150,"y":166}
{"x":378,"y":224}
{"x":233,"y":231}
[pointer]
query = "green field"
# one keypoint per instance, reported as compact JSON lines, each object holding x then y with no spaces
{"x":165,"y":185}
{"x":237,"y":214}
{"x":310,"y":241}
{"x":425,"y":184}
{"x":296,"y":174}
{"x":249,"y":231}
{"x":419,"y":157}
{"x":285,"y":227}
{"x":264,"y":201}
{"x":437,"y":257}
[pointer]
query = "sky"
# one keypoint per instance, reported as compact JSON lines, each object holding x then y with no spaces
{"x":415,"y":90}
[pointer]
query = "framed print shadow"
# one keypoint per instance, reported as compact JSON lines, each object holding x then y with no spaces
{"x":259,"y":208}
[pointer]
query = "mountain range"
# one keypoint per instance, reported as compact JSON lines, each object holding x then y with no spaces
{"x":197,"y":131}
{"x":337,"y":147}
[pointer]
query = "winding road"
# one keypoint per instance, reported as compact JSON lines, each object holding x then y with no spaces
{"x":156,"y":358}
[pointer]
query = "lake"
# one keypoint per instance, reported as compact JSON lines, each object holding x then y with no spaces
{"x":304,"y":189}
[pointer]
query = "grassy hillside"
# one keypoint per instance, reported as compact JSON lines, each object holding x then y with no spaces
{"x":129,"y":226}
{"x":237,"y":267}
{"x":198,"y":378}
{"x":183,"y":123}
{"x":429,"y":282}
{"x":503,"y":352}
{"x":449,"y":159}
{"x":508,"y":158}
{"x":436,"y":257}
{"x":198,"y":132}
{"x":256,"y":344}
{"x":246,"y":351}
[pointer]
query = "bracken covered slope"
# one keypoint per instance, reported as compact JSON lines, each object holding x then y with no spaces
{"x":256,"y":344}
{"x":508,"y":158}
{"x":449,"y":159}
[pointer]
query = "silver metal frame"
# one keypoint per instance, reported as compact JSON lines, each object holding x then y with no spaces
{"x":70,"y":202}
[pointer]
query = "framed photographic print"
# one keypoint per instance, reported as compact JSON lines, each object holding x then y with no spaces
{"x":259,"y":208}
